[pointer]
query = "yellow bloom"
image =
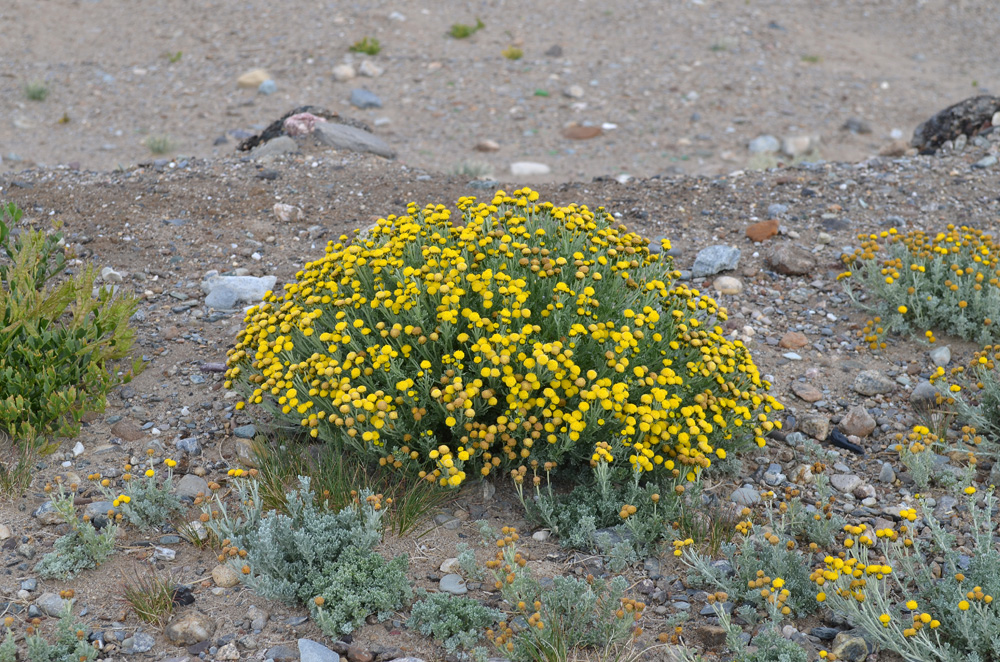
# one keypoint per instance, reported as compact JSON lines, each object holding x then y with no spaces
{"x":150,"y":473}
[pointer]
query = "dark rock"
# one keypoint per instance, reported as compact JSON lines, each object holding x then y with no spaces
{"x":966,"y":117}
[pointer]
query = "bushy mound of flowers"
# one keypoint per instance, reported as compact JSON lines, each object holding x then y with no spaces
{"x":522,"y":334}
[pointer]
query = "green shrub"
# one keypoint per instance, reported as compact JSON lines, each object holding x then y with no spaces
{"x":521,"y":335}
{"x":324,"y":560}
{"x":512,"y":53}
{"x":368,"y":46}
{"x":36,"y":91}
{"x":160,"y":144}
{"x":457,"y":623}
{"x":60,"y":347}
{"x":70,"y":643}
{"x":917,"y":282}
{"x":463,"y":31}
{"x":80,"y":549}
{"x":921,"y":597}
{"x":143,"y":501}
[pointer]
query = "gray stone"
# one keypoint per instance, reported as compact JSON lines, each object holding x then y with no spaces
{"x":352,"y":139}
{"x":887,"y":474}
{"x":845,"y":483}
{"x":791,"y":260}
{"x":714,"y":259}
{"x":97,"y":512}
{"x":51,"y":604}
{"x":745,"y":496}
{"x":267,"y":88}
{"x":228,"y":652}
{"x":140,"y":642}
{"x":941,"y":356}
{"x":275,"y":147}
{"x":281,"y":653}
{"x":248,"y":289}
{"x":245,"y":431}
{"x":311,"y":651}
{"x":222,"y":298}
{"x":191,"y":628}
{"x":857,"y":422}
{"x":776,"y":209}
{"x":763,"y":144}
{"x":924,"y":396}
{"x":453,"y":584}
{"x":945,"y":507}
{"x":849,"y":647}
{"x":189,"y":445}
{"x":258,"y":618}
{"x":29,"y":584}
{"x":362,"y":98}
{"x":191,"y":486}
{"x":47,"y":514}
{"x":873,"y":382}
{"x":985,"y":162}
{"x":816,"y":426}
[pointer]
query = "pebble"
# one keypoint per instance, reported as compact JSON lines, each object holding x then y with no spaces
{"x":450,"y":566}
{"x":364,"y":99}
{"x":816,"y":426}
{"x":343,"y":72}
{"x":281,"y":653}
{"x":51,"y":604}
{"x":886,"y":474}
{"x":5,"y":532}
{"x":792,"y":356}
{"x":941,"y":356}
{"x":190,"y":628}
{"x":29,"y":584}
{"x":47,"y":514}
{"x":857,"y":422}
{"x":573,"y":92}
{"x":714,"y":259}
{"x":776,"y":209}
{"x":370,"y":69}
{"x":763,"y":144}
{"x":225,"y":576}
{"x":487,"y":146}
{"x":140,"y":642}
{"x":727,"y":285}
{"x":311,"y":651}
{"x":541,"y":536}
{"x":762,"y":231}
{"x":188,"y":445}
{"x":164,"y":553}
{"x":791,"y":260}
{"x":224,"y":292}
{"x":796,"y":145}
{"x":453,"y":584}
{"x":228,"y":652}
{"x":109,"y":275}
{"x":745,"y":496}
{"x":985,"y":162}
{"x":267,"y":88}
{"x":528,"y":168}
{"x":352,"y":139}
{"x":275,"y":147}
{"x":793,"y":340}
{"x":251,"y":80}
{"x":873,"y":382}
{"x":845,"y":483}
{"x":287,"y":213}
{"x":924,"y":396}
{"x":806,"y":392}
{"x":191,"y":486}
{"x":248,"y":431}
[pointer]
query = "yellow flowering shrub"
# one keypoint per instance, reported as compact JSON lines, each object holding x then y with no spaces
{"x":517,"y":332}
{"x":916,"y":281}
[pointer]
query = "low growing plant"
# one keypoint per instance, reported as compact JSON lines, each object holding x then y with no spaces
{"x":84,"y":547}
{"x":60,"y":347}
{"x":463,"y":31}
{"x":368,"y":46}
{"x":68,"y":645}
{"x":159,"y":144}
{"x":512,"y":53}
{"x":149,"y":595}
{"x":144,"y":501}
{"x":36,"y":91}
{"x":312,"y":556}
{"x":457,"y":623}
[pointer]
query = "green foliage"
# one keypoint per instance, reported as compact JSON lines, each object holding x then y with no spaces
{"x":160,"y":144}
{"x":313,"y":556}
{"x":16,"y":466}
{"x":463,"y":31}
{"x":974,"y":397}
{"x":8,"y":648}
{"x":772,"y":647}
{"x":150,"y":595}
{"x":455,"y":622}
{"x":70,"y":643}
{"x":513,"y":53}
{"x":368,"y":46}
{"x":917,"y":282}
{"x":80,"y":549}
{"x":144,"y":501}
{"x":36,"y":91}
{"x":60,"y":347}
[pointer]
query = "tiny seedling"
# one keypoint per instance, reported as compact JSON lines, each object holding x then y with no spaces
{"x":175,"y":57}
{"x":512,"y":53}
{"x":159,"y":144}
{"x":36,"y":91}
{"x":368,"y":46}
{"x":463,"y":31}
{"x":811,"y":59}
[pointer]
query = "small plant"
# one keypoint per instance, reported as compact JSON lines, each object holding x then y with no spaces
{"x":463,"y":31}
{"x":571,"y":615}
{"x":457,"y":623}
{"x":811,"y":59}
{"x":368,"y":46}
{"x":60,"y":347}
{"x":160,"y":144}
{"x":473,"y":169}
{"x":150,"y":595}
{"x":888,"y":584}
{"x":768,"y":646}
{"x":36,"y":91}
{"x":918,"y":281}
{"x":16,"y":466}
{"x":144,"y":502}
{"x":512,"y":53}
{"x":312,"y":556}
{"x":174,"y":58}
{"x":69,"y":644}
{"x":974,"y":397}
{"x":80,"y":549}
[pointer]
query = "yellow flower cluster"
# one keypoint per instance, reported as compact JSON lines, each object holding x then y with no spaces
{"x":526,"y":331}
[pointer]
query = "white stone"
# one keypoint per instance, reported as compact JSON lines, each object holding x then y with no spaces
{"x":343,"y":72}
{"x":573,"y":92}
{"x":528,"y":168}
{"x":370,"y":69}
{"x":225,"y":576}
{"x":109,"y":275}
{"x":78,"y":449}
{"x":541,"y":536}
{"x":727,"y":285}
{"x":451,"y":566}
{"x":251,"y":80}
{"x":287,"y":213}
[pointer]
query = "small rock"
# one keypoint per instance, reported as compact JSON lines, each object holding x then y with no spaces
{"x":47,"y":514}
{"x":580,"y":132}
{"x":887,"y":475}
{"x":541,"y":536}
{"x":857,"y":422}
{"x":127,"y":430}
{"x":803,"y":475}
{"x":275,"y":147}
{"x":764,"y":144}
{"x":267,"y":88}
{"x":453,"y":584}
{"x":191,"y":486}
{"x":762,"y":231}
{"x":941,"y":356}
{"x":370,"y":69}
{"x":248,"y":431}
{"x":140,"y":642}
{"x":358,"y":654}
{"x":251,"y":80}
{"x":845,"y":482}
{"x":793,"y":340}
{"x":727,"y":285}
{"x":225,"y":576}
{"x":258,"y":618}
{"x":791,"y":260}
{"x":228,"y":652}
{"x":873,"y":382}
{"x":893,"y":149}
{"x":797,"y":145}
{"x":352,"y":139}
{"x":985,"y":162}
{"x":487,"y":146}
{"x":855,"y":125}
{"x":164,"y":553}
{"x":189,"y":629}
{"x":451,"y":566}
{"x":556,"y":51}
{"x":745,"y":496}
{"x":287,"y":213}
{"x":528,"y":168}
{"x":51,"y":604}
{"x":848,"y":647}
{"x":924,"y":396}
{"x":311,"y":651}
{"x":343,"y":73}
{"x":816,"y":426}
{"x":364,"y":99}
{"x":776,"y":209}
{"x":281,"y":653}
{"x":5,"y":532}
{"x":109,"y":275}
{"x":248,"y":289}
{"x":188,"y":445}
{"x":573,"y":92}
{"x":714,"y":259}
{"x":807,"y":392}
